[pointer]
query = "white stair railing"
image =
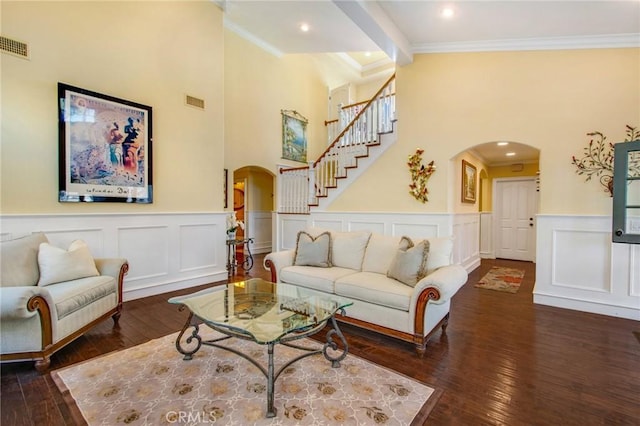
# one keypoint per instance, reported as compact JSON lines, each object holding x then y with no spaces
{"x":300,"y":187}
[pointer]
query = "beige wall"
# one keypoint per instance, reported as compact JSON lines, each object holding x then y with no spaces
{"x":448,"y":103}
{"x":258,"y":86}
{"x":365,"y":91}
{"x":148,"y":52}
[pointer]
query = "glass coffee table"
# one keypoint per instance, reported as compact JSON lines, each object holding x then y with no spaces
{"x":267,"y":314}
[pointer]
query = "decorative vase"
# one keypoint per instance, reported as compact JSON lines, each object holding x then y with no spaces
{"x":231,"y":235}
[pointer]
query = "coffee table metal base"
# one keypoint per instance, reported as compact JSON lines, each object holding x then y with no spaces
{"x":270,"y":374}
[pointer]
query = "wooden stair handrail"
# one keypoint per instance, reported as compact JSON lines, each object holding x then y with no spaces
{"x":288,"y":169}
{"x":351,"y":124}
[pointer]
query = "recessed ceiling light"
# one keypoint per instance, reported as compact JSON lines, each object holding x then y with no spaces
{"x":503,"y":143}
{"x":510,"y":154}
{"x":447,"y":12}
{"x":367,"y":54}
{"x":304,"y":27}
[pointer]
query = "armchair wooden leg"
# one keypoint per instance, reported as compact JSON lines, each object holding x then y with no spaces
{"x":116,"y":318}
{"x":421,"y":348}
{"x":42,"y":365}
{"x":445,"y":323}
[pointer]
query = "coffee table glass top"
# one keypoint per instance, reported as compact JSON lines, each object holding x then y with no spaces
{"x":261,"y":310}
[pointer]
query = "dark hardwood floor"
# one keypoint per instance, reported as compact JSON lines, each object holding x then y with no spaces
{"x":502,"y":361}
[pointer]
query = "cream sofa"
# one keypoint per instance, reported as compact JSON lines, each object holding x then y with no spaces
{"x":50,"y":296}
{"x":358,"y":268}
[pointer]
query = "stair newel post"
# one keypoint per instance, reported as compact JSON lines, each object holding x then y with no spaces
{"x":312,"y":184}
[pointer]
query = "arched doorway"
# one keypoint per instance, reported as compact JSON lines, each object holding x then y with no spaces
{"x":253,"y":202}
{"x":507,"y":199}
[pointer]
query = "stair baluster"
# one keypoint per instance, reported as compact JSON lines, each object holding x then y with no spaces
{"x":301,"y":187}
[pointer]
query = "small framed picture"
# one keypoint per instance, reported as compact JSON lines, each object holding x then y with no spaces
{"x":469,"y":182}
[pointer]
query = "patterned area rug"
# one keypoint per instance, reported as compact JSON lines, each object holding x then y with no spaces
{"x":151,"y":384}
{"x":501,"y":278}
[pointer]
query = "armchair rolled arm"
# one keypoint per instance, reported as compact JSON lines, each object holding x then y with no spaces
{"x":112,"y":266}
{"x":117,"y":268}
{"x":446,"y":280}
{"x":24,"y":302}
{"x":275,"y":261}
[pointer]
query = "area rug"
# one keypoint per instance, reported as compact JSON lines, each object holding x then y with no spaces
{"x":151,"y":384}
{"x":501,"y":278}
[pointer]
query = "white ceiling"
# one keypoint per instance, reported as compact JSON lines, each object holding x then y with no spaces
{"x":349,"y":26}
{"x":398,"y":29}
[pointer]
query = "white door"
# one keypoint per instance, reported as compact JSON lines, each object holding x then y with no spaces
{"x":339,"y":97}
{"x":515,"y":205}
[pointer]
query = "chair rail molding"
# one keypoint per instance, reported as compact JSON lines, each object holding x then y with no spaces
{"x":166,"y":251}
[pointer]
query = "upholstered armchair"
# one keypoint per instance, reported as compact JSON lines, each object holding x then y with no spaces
{"x":50,"y":296}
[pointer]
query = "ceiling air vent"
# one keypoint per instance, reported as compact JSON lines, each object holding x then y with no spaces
{"x":194,"y":102}
{"x":14,"y":47}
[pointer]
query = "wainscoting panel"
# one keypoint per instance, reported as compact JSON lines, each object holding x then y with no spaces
{"x":466,"y":230}
{"x":486,"y":236}
{"x":377,"y":227}
{"x":93,"y":237}
{"x":287,"y":228}
{"x":147,"y":247}
{"x":331,"y":223}
{"x":418,"y":225}
{"x":578,"y":267}
{"x":581,"y":259}
{"x":634,"y":270}
{"x":197,"y":256}
{"x":260,"y":229}
{"x":166,"y":251}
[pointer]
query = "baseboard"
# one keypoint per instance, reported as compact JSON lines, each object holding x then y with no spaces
{"x":472,"y":265}
{"x":587,"y":306}
{"x":156,"y":289}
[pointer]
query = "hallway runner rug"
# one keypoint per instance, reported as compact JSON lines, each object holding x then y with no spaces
{"x":501,"y":278}
{"x":151,"y":384}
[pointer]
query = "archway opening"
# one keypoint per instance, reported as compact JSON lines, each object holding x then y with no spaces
{"x":253,"y":203}
{"x":505,"y":176}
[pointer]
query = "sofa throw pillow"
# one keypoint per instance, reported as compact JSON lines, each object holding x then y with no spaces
{"x":409,"y":265}
{"x":348,"y":248}
{"x":58,"y":265}
{"x":440,"y":253}
{"x":313,"y":251}
{"x":20,"y":260}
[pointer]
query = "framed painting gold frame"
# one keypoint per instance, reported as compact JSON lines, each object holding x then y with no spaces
{"x":469,"y":182}
{"x":294,"y":136}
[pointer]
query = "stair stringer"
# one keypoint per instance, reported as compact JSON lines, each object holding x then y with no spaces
{"x":352,"y":174}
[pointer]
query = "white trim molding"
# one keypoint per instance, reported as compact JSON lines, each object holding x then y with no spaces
{"x":165,"y":251}
{"x":463,"y":227}
{"x":579,"y":267}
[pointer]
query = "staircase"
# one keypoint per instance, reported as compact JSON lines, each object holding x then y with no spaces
{"x":356,"y":146}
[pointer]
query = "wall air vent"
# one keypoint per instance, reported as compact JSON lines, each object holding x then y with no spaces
{"x":14,"y":47}
{"x":194,"y":102}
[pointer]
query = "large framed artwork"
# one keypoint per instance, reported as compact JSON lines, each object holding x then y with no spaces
{"x":104,"y":148}
{"x":294,"y":136}
{"x":469,"y":182}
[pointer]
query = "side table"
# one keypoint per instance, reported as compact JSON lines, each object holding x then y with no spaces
{"x":232,"y":260}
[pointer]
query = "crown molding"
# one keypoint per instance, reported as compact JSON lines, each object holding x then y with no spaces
{"x":232,"y":26}
{"x":609,"y":41}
